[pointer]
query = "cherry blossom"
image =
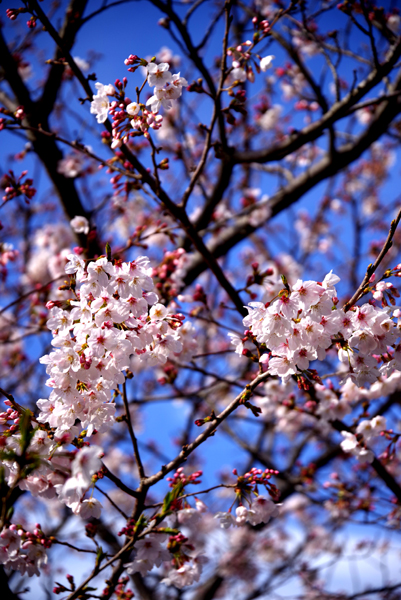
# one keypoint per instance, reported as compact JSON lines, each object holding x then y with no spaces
{"x":350,"y":444}
{"x":99,"y":352}
{"x":158,"y":75}
{"x":302,"y":323}
{"x":100,"y":104}
{"x":266,"y":62}
{"x":23,"y":551}
{"x":80,"y":225}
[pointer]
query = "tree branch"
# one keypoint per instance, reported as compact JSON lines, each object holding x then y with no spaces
{"x":327,"y":167}
{"x":337,"y":111}
{"x":72,"y":24}
{"x":361,"y":291}
{"x":45,"y":146}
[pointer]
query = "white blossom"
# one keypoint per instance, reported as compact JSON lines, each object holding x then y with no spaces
{"x":80,"y":225}
{"x":158,"y":75}
{"x":133,"y":109}
{"x":100,"y":105}
{"x":350,"y":445}
{"x":266,"y":62}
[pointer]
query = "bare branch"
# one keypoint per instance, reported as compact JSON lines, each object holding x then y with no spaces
{"x":363,"y":288}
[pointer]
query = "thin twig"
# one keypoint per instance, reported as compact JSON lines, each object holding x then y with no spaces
{"x":216,"y":108}
{"x":132,"y":433}
{"x":119,"y":483}
{"x":98,"y":569}
{"x":111,"y":502}
{"x":210,"y":429}
{"x":73,"y":547}
{"x":27,"y":294}
{"x":363,"y":288}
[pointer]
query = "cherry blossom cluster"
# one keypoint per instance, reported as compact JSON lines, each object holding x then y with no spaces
{"x":185,"y":564}
{"x":43,"y":476}
{"x":22,"y":550}
{"x":327,"y":402}
{"x":182,"y":560}
{"x":9,"y":415}
{"x":180,"y":477}
{"x":167,"y":87}
{"x":366,"y":432}
{"x":51,"y":470}
{"x":114,"y":315}
{"x":52,"y":244}
{"x":391,"y":18}
{"x":16,"y":114}
{"x":292,"y":81}
{"x":122,"y":592}
{"x":244,"y":58}
{"x":65,"y":474}
{"x":127,"y":115}
{"x":80,"y":225}
{"x":241,"y":72}
{"x":100,"y":104}
{"x":72,"y":165}
{"x":11,"y":352}
{"x":71,"y":492}
{"x":301,"y":324}
{"x":384,"y":291}
{"x":170,"y":272}
{"x":149,"y":552}
{"x":260,"y":508}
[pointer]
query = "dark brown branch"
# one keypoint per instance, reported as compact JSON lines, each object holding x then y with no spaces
{"x":327,"y":167}
{"x":177,"y":212}
{"x":220,"y":187}
{"x":191,"y":11}
{"x":45,"y":147}
{"x":379,"y":590}
{"x":119,"y":483}
{"x":370,"y":33}
{"x":292,"y":52}
{"x":74,"y":547}
{"x":111,"y":502}
{"x":339,"y":110}
{"x":208,"y":590}
{"x":196,"y":59}
{"x":72,"y":24}
{"x":6,"y":592}
{"x":62,"y":45}
{"x":180,"y":215}
{"x":97,"y":12}
{"x":216,"y":109}
{"x":124,"y":551}
{"x":209,"y":30}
